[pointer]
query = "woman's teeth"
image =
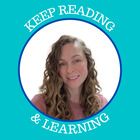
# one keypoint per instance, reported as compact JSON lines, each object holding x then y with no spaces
{"x":73,"y":77}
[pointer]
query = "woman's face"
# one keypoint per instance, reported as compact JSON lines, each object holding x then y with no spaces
{"x":73,"y":66}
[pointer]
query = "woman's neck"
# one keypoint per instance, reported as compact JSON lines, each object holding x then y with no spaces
{"x":74,"y":95}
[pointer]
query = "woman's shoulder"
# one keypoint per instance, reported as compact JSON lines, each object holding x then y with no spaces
{"x":39,"y":101}
{"x":38,"y":97}
{"x":102,"y":99}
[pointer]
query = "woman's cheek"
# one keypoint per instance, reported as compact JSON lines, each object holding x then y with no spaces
{"x":81,"y":66}
{"x":62,"y":73}
{"x":83,"y":69}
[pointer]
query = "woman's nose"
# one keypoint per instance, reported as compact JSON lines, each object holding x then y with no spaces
{"x":69,"y":69}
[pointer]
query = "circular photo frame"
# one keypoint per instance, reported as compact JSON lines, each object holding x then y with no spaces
{"x":33,"y":56}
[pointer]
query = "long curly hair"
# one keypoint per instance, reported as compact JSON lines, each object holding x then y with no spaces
{"x":56,"y":95}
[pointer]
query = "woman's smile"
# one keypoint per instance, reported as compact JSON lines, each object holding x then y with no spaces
{"x":73,"y":77}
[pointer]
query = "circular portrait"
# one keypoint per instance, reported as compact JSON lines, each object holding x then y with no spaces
{"x":69,"y":70}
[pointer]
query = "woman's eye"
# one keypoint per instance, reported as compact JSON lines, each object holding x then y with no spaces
{"x":61,"y":64}
{"x":77,"y":61}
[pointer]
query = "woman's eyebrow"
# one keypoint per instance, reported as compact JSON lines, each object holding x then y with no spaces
{"x":77,"y":55}
{"x":61,"y":59}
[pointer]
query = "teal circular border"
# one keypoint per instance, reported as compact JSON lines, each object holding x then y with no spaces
{"x":58,"y":21}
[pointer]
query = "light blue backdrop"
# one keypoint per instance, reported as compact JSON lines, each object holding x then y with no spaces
{"x":16,"y":111}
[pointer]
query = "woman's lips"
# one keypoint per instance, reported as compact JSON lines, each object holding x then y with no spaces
{"x":74,"y":77}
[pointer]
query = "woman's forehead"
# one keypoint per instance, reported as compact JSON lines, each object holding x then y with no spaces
{"x":71,"y":57}
{"x":71,"y":50}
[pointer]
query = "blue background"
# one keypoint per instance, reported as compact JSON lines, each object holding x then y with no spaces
{"x":16,"y":111}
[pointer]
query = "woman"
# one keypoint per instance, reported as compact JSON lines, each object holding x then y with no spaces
{"x":70,"y":90}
